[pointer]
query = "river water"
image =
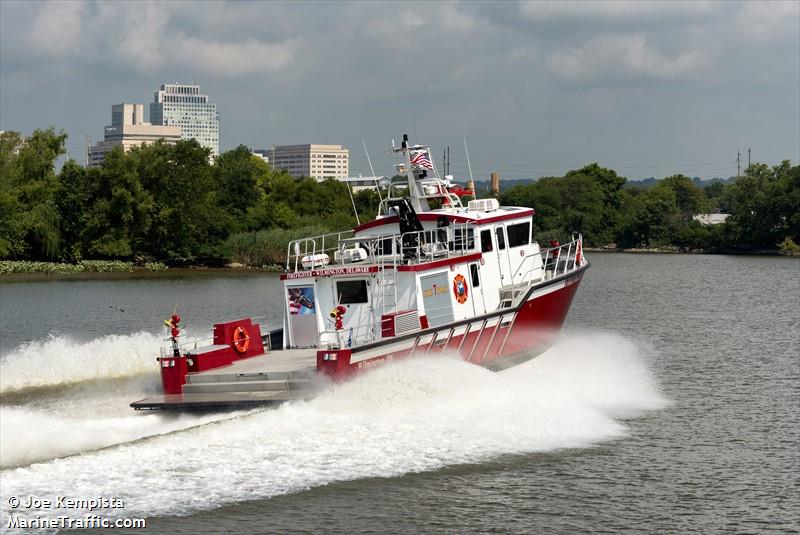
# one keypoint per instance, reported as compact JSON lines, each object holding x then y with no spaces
{"x":670,"y":404}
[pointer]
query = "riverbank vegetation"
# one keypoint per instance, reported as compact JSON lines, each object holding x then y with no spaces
{"x":763,"y":207}
{"x":158,"y":203}
{"x":84,"y":266}
{"x":170,"y":205}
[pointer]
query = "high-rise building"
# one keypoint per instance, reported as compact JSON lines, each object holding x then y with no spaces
{"x":316,"y":161}
{"x":183,"y":105}
{"x":128,"y":130}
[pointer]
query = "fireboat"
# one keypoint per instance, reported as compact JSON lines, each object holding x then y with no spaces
{"x":429,"y":275}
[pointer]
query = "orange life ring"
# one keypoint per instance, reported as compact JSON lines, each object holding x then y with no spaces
{"x":241,"y":339}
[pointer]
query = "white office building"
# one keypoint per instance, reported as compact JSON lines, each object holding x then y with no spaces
{"x":316,"y":161}
{"x":128,"y":130}
{"x":183,"y":105}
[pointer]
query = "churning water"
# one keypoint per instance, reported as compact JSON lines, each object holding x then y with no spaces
{"x":665,"y":406}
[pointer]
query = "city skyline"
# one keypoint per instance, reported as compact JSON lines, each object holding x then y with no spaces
{"x":648,"y":89}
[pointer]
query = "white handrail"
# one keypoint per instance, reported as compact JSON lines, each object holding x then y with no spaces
{"x":428,"y":245}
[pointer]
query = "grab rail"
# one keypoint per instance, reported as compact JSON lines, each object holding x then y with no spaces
{"x":306,"y":254}
{"x":552,"y":265}
{"x":309,"y":248}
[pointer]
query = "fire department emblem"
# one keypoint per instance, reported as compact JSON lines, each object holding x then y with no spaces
{"x":460,"y":288}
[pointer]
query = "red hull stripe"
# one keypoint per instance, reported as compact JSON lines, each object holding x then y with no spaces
{"x":453,"y":218}
{"x":339,"y":271}
{"x":329,"y":272}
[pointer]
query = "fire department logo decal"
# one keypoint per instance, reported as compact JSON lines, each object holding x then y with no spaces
{"x":460,"y":288}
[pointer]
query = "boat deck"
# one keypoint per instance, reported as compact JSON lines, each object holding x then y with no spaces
{"x":275,"y":377}
{"x":282,"y":360}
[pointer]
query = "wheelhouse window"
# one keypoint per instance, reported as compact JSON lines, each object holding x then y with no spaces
{"x":501,"y":238}
{"x":473,"y":275}
{"x":463,"y":239}
{"x":519,"y":234}
{"x":351,"y":292}
{"x":486,"y":241}
{"x":385,"y":247}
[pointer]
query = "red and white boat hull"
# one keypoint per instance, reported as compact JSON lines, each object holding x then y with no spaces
{"x":496,"y":341}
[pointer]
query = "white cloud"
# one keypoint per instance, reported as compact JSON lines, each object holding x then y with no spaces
{"x":619,"y":10}
{"x":57,"y":30}
{"x":141,"y":26}
{"x":235,"y":58}
{"x":622,"y":54}
{"x":766,"y":20}
{"x":455,"y":17}
{"x":411,"y":20}
{"x":148,"y":37}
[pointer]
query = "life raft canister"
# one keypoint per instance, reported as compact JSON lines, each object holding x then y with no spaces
{"x":241,"y":339}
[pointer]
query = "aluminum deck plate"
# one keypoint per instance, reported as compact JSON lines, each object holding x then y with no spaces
{"x":250,"y":382}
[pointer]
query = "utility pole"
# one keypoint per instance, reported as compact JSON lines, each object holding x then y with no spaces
{"x":738,"y":160}
{"x":748,"y":156}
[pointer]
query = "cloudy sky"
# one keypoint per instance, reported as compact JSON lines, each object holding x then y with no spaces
{"x":647,"y":88}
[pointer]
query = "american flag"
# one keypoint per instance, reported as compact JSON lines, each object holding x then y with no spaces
{"x":421,"y":159}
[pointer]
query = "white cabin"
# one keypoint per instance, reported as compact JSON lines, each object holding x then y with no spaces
{"x":411,"y":268}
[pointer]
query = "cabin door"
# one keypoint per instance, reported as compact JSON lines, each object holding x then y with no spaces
{"x":519,"y":250}
{"x":436,"y":298}
{"x":302,"y":308}
{"x":478,"y":304}
{"x":503,"y":260}
{"x":357,"y":324}
{"x":490,"y":271}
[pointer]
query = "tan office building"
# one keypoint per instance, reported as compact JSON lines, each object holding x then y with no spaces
{"x":129,"y":130}
{"x":316,"y":161}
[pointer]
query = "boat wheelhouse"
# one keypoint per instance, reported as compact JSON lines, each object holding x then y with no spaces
{"x":454,"y":277}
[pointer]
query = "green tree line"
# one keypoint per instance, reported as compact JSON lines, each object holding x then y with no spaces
{"x":171,"y":203}
{"x":763,"y":206}
{"x":156,"y":202}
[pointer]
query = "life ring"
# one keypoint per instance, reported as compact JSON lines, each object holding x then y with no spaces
{"x":241,"y":339}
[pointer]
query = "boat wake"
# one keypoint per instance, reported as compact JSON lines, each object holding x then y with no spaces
{"x":59,"y":360}
{"x":410,"y":416}
{"x":28,"y":436}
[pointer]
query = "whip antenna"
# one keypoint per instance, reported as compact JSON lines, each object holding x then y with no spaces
{"x":468,"y":164}
{"x":352,"y":201}
{"x":371,"y":170}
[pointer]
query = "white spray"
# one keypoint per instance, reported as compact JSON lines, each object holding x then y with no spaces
{"x":411,"y":416}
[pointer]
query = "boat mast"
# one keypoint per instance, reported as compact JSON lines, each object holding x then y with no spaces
{"x":413,"y":175}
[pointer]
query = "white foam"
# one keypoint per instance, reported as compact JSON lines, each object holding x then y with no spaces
{"x":27,"y":436}
{"x":411,"y":416}
{"x":60,"y":360}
